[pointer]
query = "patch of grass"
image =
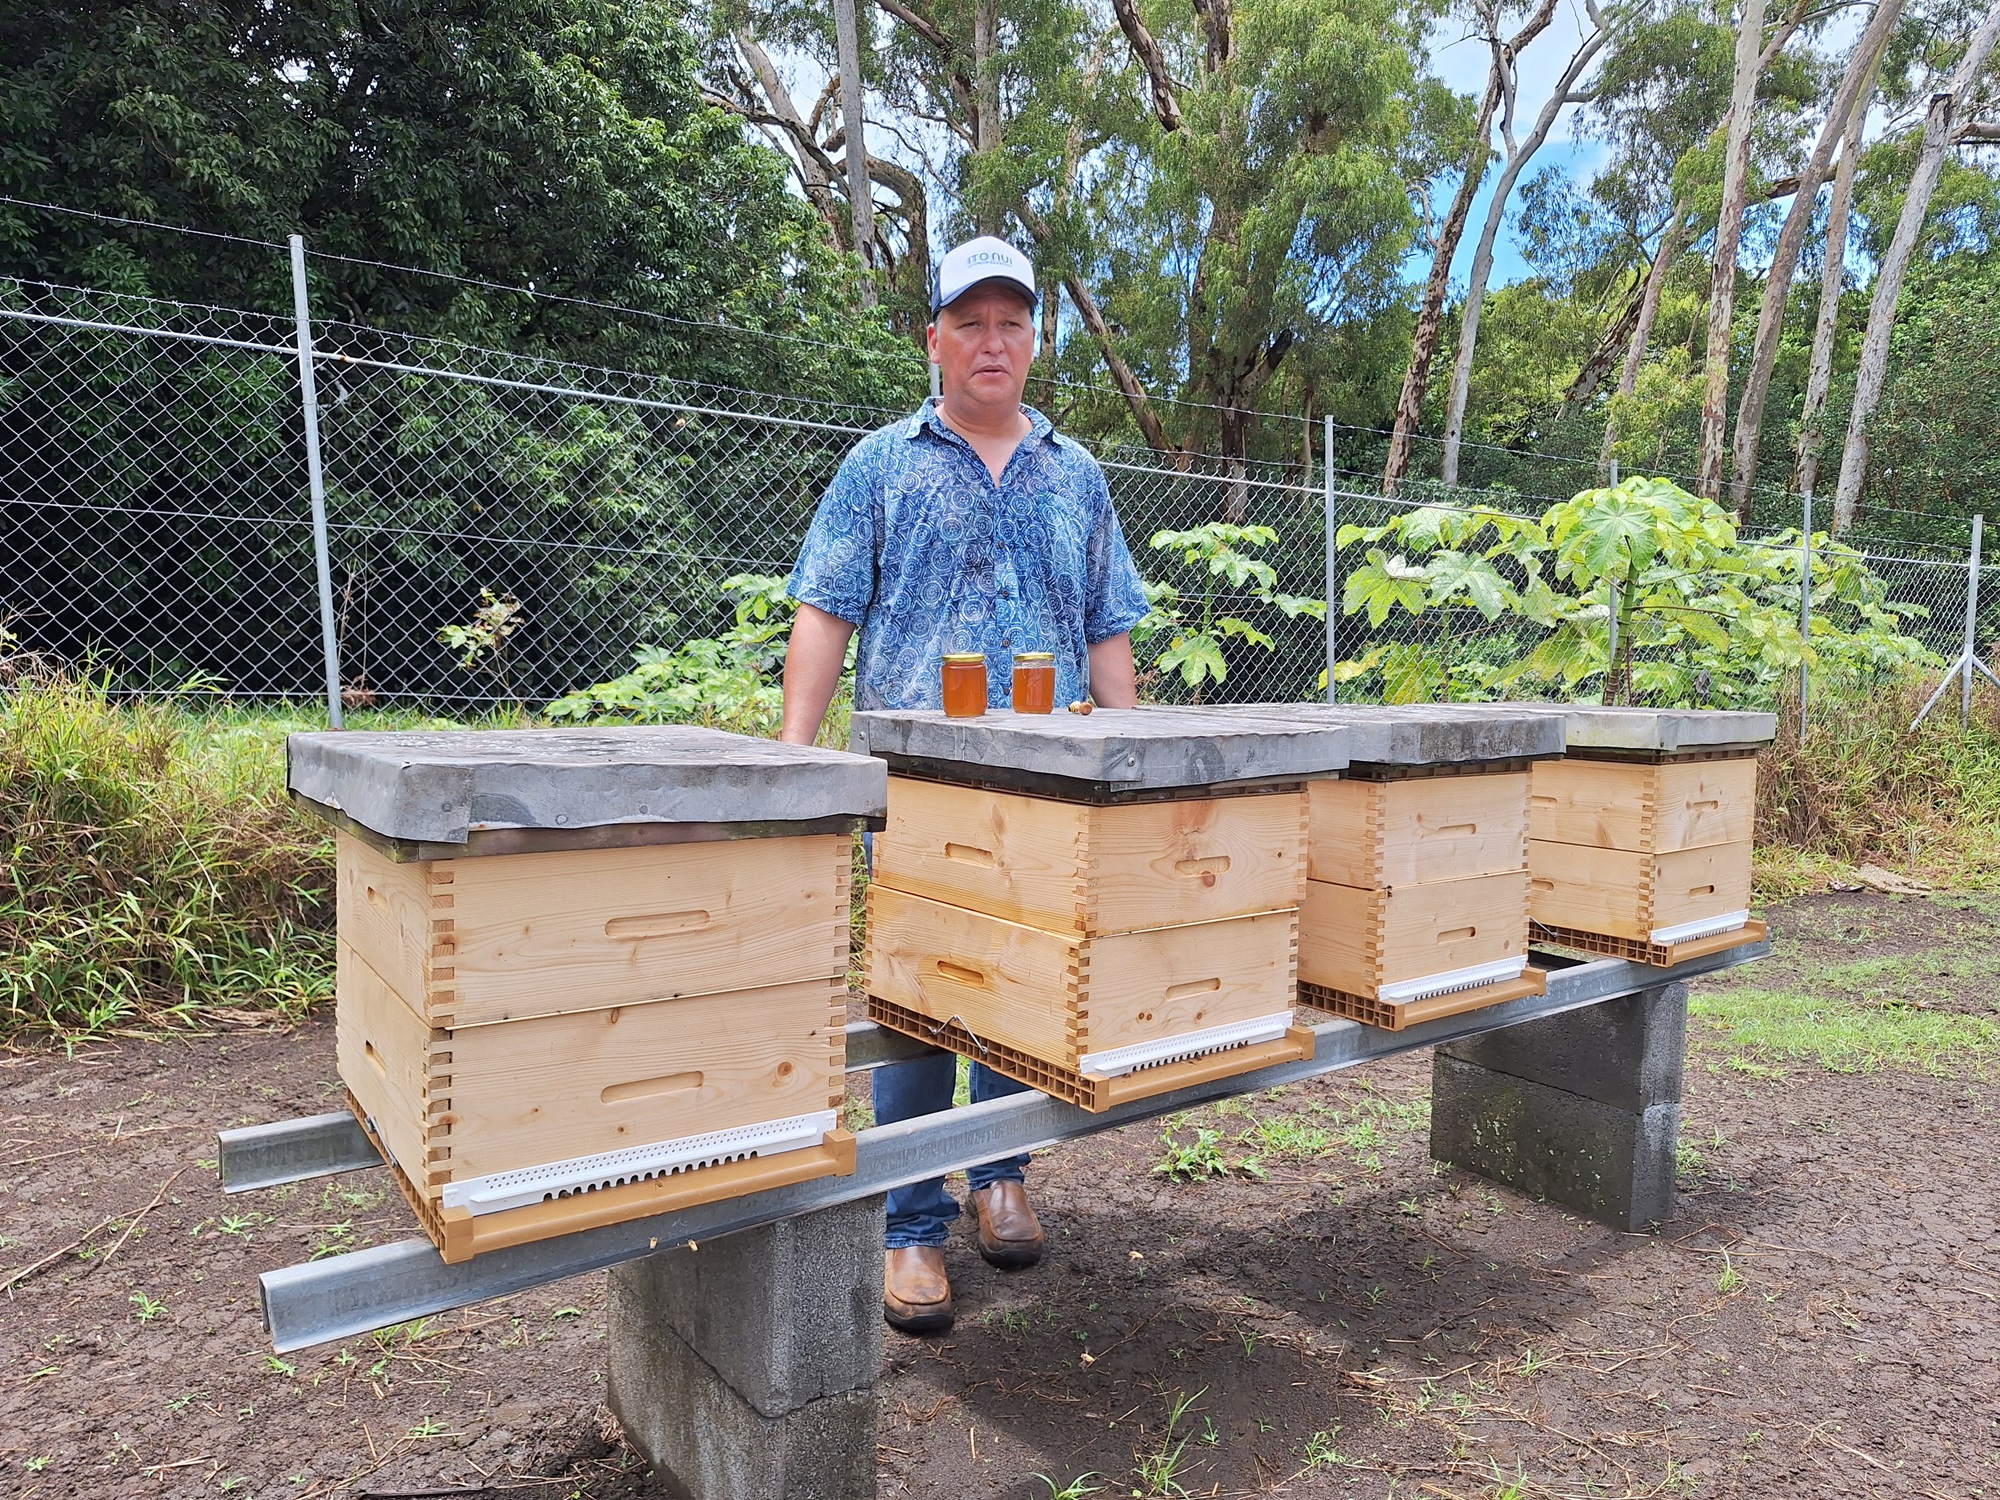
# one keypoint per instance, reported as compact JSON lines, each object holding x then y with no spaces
{"x":1188,"y":1161}
{"x":1856,"y":1017}
{"x":154,"y":870}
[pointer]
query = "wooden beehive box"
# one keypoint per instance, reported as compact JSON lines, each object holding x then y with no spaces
{"x":1417,"y":902}
{"x":1105,"y":908}
{"x":1640,"y":839}
{"x":588,"y":976}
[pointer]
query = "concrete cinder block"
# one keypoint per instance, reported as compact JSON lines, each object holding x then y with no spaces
{"x":439,"y":787}
{"x":786,"y":1313}
{"x":1627,"y":1053}
{"x":706,"y":1442}
{"x":1614,"y":1165}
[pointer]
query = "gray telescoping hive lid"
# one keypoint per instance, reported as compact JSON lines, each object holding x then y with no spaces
{"x":440,"y":787}
{"x":1594,"y":726}
{"x":1419,"y":734}
{"x":1118,"y":749}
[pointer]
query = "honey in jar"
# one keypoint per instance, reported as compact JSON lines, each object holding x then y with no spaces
{"x":964,"y":685}
{"x":1035,"y":682}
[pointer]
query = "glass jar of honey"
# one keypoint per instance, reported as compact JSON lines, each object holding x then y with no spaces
{"x":1034,"y":682}
{"x":964,"y":685}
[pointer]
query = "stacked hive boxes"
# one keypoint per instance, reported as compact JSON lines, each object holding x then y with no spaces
{"x":1103,"y":907}
{"x":1417,"y":905}
{"x":1640,"y":837}
{"x":586,"y":976}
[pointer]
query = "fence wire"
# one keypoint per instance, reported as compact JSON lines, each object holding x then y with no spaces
{"x":155,"y":526}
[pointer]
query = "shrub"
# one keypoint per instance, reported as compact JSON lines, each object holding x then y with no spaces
{"x":1862,"y":788}
{"x":154,"y":870}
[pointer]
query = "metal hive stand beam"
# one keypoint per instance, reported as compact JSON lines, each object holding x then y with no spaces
{"x":346,"y":1295}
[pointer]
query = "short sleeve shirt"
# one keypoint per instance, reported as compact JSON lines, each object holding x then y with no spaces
{"x":916,"y":544}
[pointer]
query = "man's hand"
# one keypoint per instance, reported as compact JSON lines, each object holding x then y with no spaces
{"x":812,"y":671}
{"x":1113,"y":678}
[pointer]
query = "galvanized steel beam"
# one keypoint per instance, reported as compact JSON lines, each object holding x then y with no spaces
{"x":345,"y":1295}
{"x":260,"y":1156}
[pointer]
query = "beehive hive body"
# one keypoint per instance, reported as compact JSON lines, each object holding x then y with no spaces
{"x":1655,"y":854}
{"x":1417,"y":902}
{"x":1419,"y":889}
{"x":1070,"y":908}
{"x":545,"y":1041}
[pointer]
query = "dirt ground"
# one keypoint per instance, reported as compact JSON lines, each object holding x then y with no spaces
{"x":1317,"y":1310}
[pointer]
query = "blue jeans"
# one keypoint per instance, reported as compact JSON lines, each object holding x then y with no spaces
{"x":919,"y":1213}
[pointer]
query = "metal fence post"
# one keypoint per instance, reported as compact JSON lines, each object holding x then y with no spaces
{"x":1805,"y":608}
{"x":1971,"y":620}
{"x":1968,"y":662}
{"x":1611,"y":646}
{"x":1332,"y":569}
{"x":316,"y":482}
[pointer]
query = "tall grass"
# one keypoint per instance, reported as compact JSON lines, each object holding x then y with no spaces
{"x":155,"y":870}
{"x":1862,"y":789}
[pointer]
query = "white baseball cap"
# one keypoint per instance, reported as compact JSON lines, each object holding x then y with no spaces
{"x":984,"y":259}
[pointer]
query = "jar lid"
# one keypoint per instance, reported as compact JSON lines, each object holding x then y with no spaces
{"x":1021,"y":656}
{"x":965,"y":656}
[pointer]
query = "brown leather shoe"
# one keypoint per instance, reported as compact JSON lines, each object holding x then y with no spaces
{"x":916,"y":1293}
{"x":1010,"y":1236}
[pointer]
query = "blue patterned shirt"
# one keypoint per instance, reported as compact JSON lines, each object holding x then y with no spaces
{"x":917,"y":545}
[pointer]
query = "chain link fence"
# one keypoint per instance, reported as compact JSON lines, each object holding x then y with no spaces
{"x":156,"y":525}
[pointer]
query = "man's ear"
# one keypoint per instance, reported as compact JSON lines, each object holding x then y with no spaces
{"x":930,"y":341}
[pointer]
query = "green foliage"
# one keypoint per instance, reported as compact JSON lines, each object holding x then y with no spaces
{"x":481,"y":643}
{"x":1213,"y":556}
{"x":559,"y":144}
{"x":153,"y":871}
{"x":1696,"y":616}
{"x":733,"y":681}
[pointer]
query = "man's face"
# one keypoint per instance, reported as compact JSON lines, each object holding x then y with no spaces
{"x":982,"y":345}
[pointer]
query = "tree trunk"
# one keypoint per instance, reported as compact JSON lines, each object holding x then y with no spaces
{"x":1127,"y":380}
{"x":1833,"y":279}
{"x":1518,"y":157}
{"x":1668,"y":251}
{"x":813,"y":175}
{"x":1617,"y":336}
{"x":1728,"y":235}
{"x":1874,"y":366}
{"x":1429,"y":332}
{"x":860,"y":200}
{"x":1857,"y":83}
{"x":986,"y":121}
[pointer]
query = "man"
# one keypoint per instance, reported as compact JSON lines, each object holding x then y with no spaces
{"x":970,"y":526}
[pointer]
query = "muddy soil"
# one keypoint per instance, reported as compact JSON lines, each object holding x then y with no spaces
{"x":1312,"y":1308}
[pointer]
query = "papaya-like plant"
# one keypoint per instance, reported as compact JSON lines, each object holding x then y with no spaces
{"x":1213,"y":555}
{"x":1639,"y":591}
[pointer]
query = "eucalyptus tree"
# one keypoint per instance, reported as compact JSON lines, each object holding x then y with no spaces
{"x":1266,"y":199}
{"x":1502,"y":81}
{"x":1519,"y":150}
{"x":1843,"y":120}
{"x":1944,"y":121}
{"x":1755,"y":53}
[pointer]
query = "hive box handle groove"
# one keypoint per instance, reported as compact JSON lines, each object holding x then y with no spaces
{"x":655,"y":925}
{"x":651,"y":1088}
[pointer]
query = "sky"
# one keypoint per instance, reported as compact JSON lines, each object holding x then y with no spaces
{"x":1462,"y":64}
